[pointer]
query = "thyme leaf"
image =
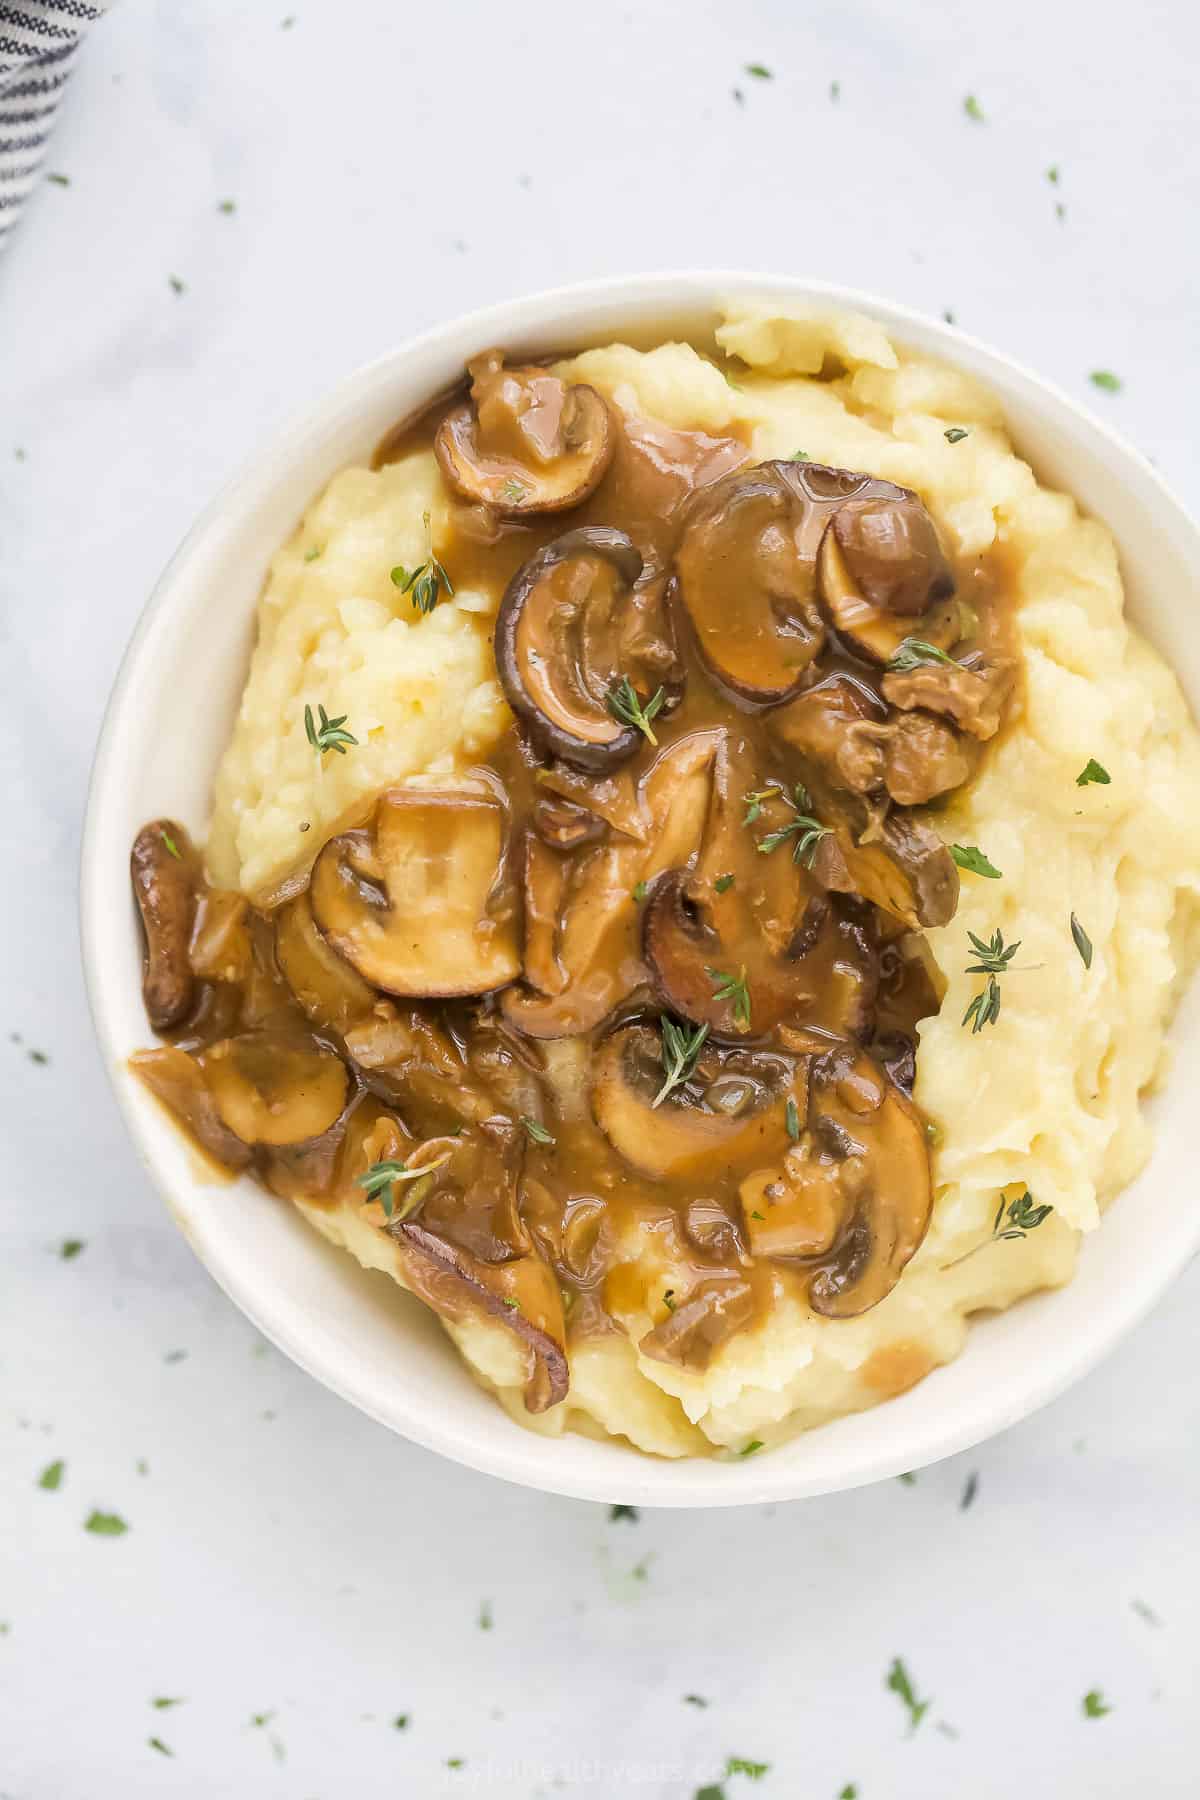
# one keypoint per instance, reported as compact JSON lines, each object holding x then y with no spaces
{"x":681,"y":1045}
{"x":328,"y":735}
{"x":1083,"y":942}
{"x":915,"y":651}
{"x":626,"y":706}
{"x":734,"y":989}
{"x":1093,"y":771}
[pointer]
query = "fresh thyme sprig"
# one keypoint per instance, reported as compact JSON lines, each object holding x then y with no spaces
{"x":328,"y":735}
{"x":380,"y":1180}
{"x":681,"y":1045}
{"x":810,"y":830}
{"x":626,"y":706}
{"x":915,"y":651}
{"x":537,"y":1134}
{"x":734,"y":989}
{"x":424,"y":584}
{"x":994,"y":958}
{"x":1022,"y":1217}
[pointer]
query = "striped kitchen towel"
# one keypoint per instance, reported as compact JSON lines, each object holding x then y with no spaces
{"x":38,"y":44}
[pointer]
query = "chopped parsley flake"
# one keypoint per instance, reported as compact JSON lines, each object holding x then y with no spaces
{"x":1094,"y":1704}
{"x":791,"y":1115}
{"x":742,"y":1765}
{"x":969,"y":1491}
{"x":51,"y":1476}
{"x":105,"y":1524}
{"x":900,"y":1683}
{"x":486,"y":1621}
{"x":1105,"y":380}
{"x":639,"y":891}
{"x":537,"y":1134}
{"x":156,"y":1743}
{"x":161,"y":1702}
{"x":400,"y":1722}
{"x":955,"y":434}
{"x":723,"y":883}
{"x":695,"y":1700}
{"x":970,"y":857}
{"x":59,"y":180}
{"x":973,"y":109}
{"x":175,"y":284}
{"x":749,"y":1449}
{"x":624,"y":1512}
{"x":71,"y":1247}
{"x":1093,"y":771}
{"x":760,"y":71}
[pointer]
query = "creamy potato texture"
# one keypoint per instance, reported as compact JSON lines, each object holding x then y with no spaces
{"x":1049,"y":1098}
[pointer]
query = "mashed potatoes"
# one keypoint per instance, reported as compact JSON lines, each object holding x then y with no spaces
{"x":1048,"y":1101}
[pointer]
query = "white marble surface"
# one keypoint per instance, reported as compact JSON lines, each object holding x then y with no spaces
{"x":286,"y":1557}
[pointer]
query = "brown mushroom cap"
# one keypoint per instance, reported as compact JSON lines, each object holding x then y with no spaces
{"x":176,"y":1079}
{"x":853,"y":1195}
{"x":273,"y":1091}
{"x":565,"y":635}
{"x":733,"y":1108}
{"x":706,"y":1317}
{"x":744,"y":576}
{"x":876,"y":1137}
{"x":771,"y":926}
{"x":597,"y":944}
{"x":162,"y":867}
{"x":891,"y":552}
{"x":902,"y":867}
{"x":415,"y":903}
{"x":876,"y":632}
{"x":332,"y":993}
{"x":525,"y":443}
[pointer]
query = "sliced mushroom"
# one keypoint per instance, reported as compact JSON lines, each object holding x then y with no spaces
{"x":876,"y":1136}
{"x":522,"y":1297}
{"x":853,"y":1195}
{"x":744,"y":575}
{"x":567,"y":633}
{"x":177,"y":1080}
{"x":732,"y":1111}
{"x":331,"y":992}
{"x":525,"y":442}
{"x":973,"y":695}
{"x":748,"y":938}
{"x":416,"y":903}
{"x":271,"y":1091}
{"x":697,"y":1325}
{"x":597,"y":945}
{"x":842,"y":725}
{"x":890,"y":550}
{"x":895,"y":860}
{"x":309,"y":1170}
{"x":162,"y":867}
{"x":872,"y":631}
{"x":409,"y":1059}
{"x":467,"y":1252}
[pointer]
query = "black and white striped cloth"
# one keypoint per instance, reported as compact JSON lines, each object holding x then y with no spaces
{"x":39,"y":40}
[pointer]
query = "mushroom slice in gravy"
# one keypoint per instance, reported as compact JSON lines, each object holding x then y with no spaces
{"x":594,"y":960}
{"x":566,"y":638}
{"x":415,"y":902}
{"x":733,"y":1107}
{"x":525,"y":442}
{"x":161,"y":867}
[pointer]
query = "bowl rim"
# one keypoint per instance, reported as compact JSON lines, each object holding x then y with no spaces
{"x":527,"y":1463}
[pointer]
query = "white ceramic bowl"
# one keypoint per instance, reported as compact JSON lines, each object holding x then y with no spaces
{"x":167,"y":722}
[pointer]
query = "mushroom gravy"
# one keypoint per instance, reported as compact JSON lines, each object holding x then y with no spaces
{"x":640,"y":994}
